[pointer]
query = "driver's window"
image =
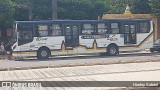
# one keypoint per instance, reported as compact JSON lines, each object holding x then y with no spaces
{"x":25,"y":34}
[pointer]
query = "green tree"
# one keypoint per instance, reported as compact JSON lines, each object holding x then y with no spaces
{"x":136,"y":6}
{"x":117,"y":6}
{"x":40,"y":9}
{"x":6,"y":13}
{"x":155,"y":5}
{"x":67,"y":9}
{"x":81,"y":9}
{"x":6,"y":16}
{"x":22,"y":9}
{"x":141,"y":7}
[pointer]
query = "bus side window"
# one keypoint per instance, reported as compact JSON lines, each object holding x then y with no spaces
{"x":115,"y":28}
{"x":88,"y":29}
{"x":42,"y":30}
{"x":56,"y":30}
{"x":102,"y":28}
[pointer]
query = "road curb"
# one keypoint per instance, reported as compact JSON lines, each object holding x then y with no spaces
{"x":78,"y":64}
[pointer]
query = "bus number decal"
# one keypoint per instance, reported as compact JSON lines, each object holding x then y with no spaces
{"x":41,"y":39}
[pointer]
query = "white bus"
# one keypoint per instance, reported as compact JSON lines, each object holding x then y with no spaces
{"x":43,"y":39}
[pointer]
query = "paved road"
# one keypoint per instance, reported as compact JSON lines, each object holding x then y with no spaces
{"x":56,"y":61}
{"x":149,"y":71}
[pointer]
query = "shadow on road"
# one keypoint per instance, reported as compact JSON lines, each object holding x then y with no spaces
{"x":90,"y":56}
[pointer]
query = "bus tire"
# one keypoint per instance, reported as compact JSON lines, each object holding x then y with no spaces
{"x":112,"y":50}
{"x":43,"y":53}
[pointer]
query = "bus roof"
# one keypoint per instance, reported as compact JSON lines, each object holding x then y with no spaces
{"x":78,"y":21}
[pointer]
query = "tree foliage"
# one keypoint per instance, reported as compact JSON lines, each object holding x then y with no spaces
{"x":155,"y":5}
{"x":117,"y":6}
{"x":81,"y":9}
{"x":42,"y":9}
{"x":6,"y":13}
{"x":72,"y":9}
{"x":136,"y":6}
{"x":22,"y":9}
{"x":67,"y":9}
{"x":141,"y":7}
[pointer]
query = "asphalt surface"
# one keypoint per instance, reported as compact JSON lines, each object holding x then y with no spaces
{"x":148,"y":71}
{"x":142,"y":66}
{"x":78,"y":60}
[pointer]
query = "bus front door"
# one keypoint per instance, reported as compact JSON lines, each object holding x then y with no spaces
{"x":71,"y":36}
{"x":130,"y":34}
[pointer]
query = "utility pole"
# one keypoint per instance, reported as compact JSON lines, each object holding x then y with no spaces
{"x":54,"y":9}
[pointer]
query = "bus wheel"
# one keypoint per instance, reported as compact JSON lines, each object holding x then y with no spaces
{"x":43,"y":53}
{"x":112,"y":50}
